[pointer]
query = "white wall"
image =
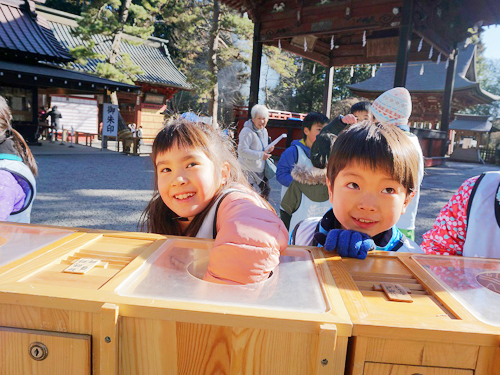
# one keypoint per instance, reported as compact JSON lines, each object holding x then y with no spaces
{"x":81,"y":113}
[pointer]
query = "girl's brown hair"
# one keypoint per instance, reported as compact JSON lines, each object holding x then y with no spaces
{"x":376,"y":146}
{"x":157,"y":217}
{"x":6,"y":132}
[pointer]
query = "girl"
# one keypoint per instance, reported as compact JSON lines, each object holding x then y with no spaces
{"x":469,"y":224}
{"x":201,"y":191}
{"x":372,"y":174}
{"x":17,"y":171}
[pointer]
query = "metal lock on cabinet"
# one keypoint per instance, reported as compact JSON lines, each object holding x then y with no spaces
{"x":38,"y":351}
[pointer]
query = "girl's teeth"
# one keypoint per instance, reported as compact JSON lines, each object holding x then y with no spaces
{"x":184,"y":196}
{"x":365,"y":221}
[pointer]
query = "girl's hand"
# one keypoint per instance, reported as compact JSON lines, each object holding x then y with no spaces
{"x":270,"y":149}
{"x":266,"y":156}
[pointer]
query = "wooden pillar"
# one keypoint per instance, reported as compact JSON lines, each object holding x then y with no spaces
{"x":448,"y":92}
{"x":256,"y":65}
{"x":405,"y":32}
{"x":327,"y":92}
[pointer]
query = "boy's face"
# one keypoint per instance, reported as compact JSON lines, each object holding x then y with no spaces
{"x":361,"y":115}
{"x":312,"y":133}
{"x":366,"y":200}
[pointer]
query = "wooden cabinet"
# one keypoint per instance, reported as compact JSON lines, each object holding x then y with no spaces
{"x":135,"y":314}
{"x":189,"y":331}
{"x":434,"y":333}
{"x":24,"y":351}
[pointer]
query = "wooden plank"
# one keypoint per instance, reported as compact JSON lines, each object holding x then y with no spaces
{"x":65,"y":353}
{"x":386,"y":369}
{"x":421,"y":353}
{"x":148,"y":347}
{"x":396,"y":292}
{"x":109,"y":340}
{"x":488,"y":361}
{"x":326,"y":347}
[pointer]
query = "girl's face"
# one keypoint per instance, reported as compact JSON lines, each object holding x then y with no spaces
{"x":366,"y":200}
{"x":188,"y":180}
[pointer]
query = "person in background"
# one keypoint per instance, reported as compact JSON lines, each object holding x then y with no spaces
{"x":372,"y":175}
{"x":201,"y":191}
{"x":55,"y":120}
{"x":393,"y":107}
{"x":358,"y":112}
{"x":17,"y":171}
{"x":469,"y":224}
{"x":299,"y":152}
{"x":307,"y":195}
{"x":253,"y":141}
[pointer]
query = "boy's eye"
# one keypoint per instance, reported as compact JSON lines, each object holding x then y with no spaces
{"x":389,"y":190}
{"x":192,"y":164}
{"x":353,"y":185}
{"x":165,"y":170}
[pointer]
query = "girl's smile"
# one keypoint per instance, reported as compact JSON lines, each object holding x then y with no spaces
{"x":187,"y":181}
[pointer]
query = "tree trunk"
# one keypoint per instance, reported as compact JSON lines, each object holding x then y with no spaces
{"x":212,"y":63}
{"x":117,"y":39}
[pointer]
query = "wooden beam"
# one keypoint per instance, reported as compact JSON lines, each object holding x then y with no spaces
{"x":404,"y":43}
{"x":448,"y":92}
{"x":320,"y":20}
{"x":256,"y":66}
{"x":313,"y":56}
{"x":327,"y":91}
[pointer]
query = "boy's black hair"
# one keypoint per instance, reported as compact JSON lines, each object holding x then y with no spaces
{"x":360,"y":106}
{"x":311,"y":119}
{"x":320,"y":150}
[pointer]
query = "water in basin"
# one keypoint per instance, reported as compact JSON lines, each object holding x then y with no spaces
{"x":175,"y":271}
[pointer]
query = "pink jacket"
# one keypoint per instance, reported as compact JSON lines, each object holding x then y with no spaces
{"x":250,"y":239}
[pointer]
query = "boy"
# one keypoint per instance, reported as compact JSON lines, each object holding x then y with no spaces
{"x":300,"y":151}
{"x":372,"y":173}
{"x":359,"y":112}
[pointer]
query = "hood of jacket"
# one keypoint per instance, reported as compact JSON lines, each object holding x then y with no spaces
{"x":309,"y":175}
{"x":249,"y":124}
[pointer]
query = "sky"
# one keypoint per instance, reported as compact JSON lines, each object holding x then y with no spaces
{"x":491,"y":40}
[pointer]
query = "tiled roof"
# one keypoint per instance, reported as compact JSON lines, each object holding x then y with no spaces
{"x":26,"y":37}
{"x":473,"y":123}
{"x":152,"y":55}
{"x":432,"y":80}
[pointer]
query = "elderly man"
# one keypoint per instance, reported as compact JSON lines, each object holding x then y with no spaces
{"x":252,"y":149}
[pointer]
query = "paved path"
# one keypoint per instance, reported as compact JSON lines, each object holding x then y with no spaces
{"x":86,"y":187}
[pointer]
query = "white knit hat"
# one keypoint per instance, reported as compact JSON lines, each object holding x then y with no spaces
{"x":392,"y":107}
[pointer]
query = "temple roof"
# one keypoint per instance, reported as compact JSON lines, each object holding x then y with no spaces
{"x":26,"y":37}
{"x":432,"y":80}
{"x":151,"y":55}
{"x":473,"y":123}
{"x":339,"y":32}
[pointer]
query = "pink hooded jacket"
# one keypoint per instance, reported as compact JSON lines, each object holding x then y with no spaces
{"x":250,"y":239}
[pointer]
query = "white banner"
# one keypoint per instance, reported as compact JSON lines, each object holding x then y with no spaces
{"x":110,"y":120}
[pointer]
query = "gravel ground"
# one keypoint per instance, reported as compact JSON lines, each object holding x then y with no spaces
{"x":85,"y":187}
